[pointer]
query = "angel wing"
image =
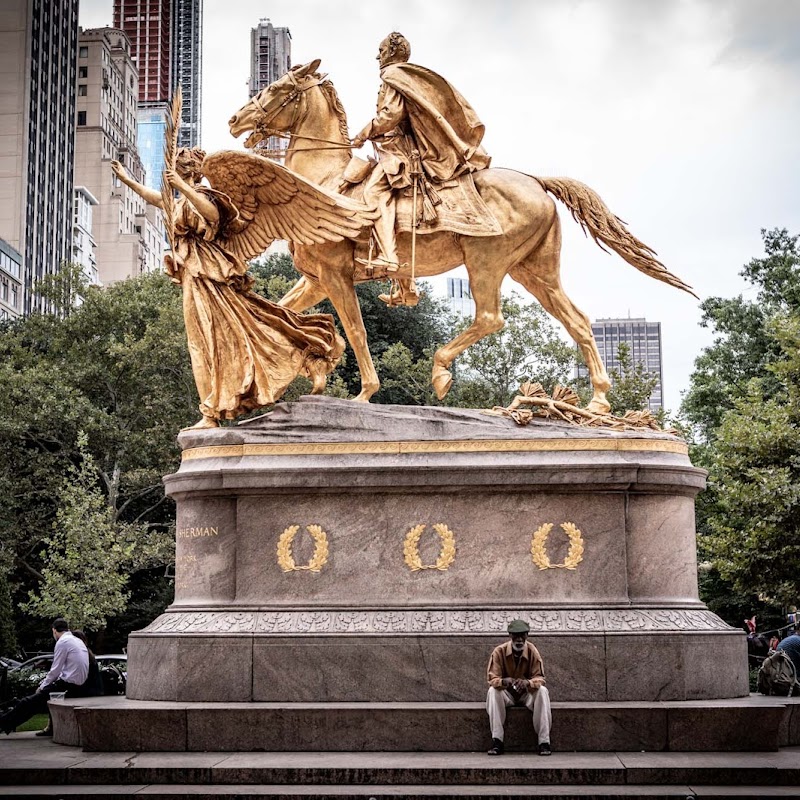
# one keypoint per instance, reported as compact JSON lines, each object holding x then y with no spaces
{"x":276,"y":203}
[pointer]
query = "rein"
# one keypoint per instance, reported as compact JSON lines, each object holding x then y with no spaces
{"x":294,"y":97}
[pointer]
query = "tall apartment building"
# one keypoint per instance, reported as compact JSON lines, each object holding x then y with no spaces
{"x":270,"y":58}
{"x":38,"y":43}
{"x":129,"y":234}
{"x":187,"y":60}
{"x":166,"y":46}
{"x":10,"y":281}
{"x":644,"y":340}
{"x":151,"y":130}
{"x":459,"y":297}
{"x":83,"y":243}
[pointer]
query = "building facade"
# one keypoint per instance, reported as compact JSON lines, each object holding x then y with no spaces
{"x":148,"y":26}
{"x":644,"y":341}
{"x":270,"y":58}
{"x":166,"y":46}
{"x":83,"y":243}
{"x":459,"y":297}
{"x":151,"y":129}
{"x":129,"y":234}
{"x":187,"y":61}
{"x":10,"y":281}
{"x":38,"y":44}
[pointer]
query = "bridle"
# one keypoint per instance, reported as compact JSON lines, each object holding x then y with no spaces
{"x":294,"y":96}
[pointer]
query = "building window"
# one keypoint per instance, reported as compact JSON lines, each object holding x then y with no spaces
{"x":83,"y":72}
{"x":81,"y":118}
{"x":82,"y":90}
{"x":83,"y":52}
{"x":14,"y":296}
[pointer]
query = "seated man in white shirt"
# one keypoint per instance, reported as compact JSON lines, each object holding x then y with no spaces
{"x":68,"y":674}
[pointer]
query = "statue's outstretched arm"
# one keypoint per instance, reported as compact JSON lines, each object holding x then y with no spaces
{"x":391,"y":112}
{"x":149,"y":195}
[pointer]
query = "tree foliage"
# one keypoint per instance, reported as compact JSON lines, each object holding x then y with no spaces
{"x":528,"y":348}
{"x":631,"y":383}
{"x":90,"y":554}
{"x":744,"y":409}
{"x":115,"y":367}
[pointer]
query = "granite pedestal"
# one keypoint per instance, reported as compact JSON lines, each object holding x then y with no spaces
{"x":344,"y":488}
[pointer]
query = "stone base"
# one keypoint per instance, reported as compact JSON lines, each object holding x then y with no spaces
{"x":119,"y":724}
{"x":332,"y":551}
{"x":368,"y":667}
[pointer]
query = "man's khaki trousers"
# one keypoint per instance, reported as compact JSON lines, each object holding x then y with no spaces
{"x":537,"y":702}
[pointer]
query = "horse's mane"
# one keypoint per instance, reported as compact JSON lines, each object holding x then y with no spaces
{"x":336,"y":106}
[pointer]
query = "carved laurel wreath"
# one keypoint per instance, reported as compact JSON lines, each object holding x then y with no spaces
{"x":539,"y":546}
{"x":446,"y":555}
{"x":318,"y":560}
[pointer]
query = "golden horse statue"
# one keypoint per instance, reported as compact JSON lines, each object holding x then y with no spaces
{"x":304,"y":106}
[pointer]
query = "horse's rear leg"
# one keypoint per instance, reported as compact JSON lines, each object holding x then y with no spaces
{"x":485,"y":280}
{"x":304,"y":294}
{"x":539,"y":273}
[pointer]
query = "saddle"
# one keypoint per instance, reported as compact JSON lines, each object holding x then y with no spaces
{"x":457,"y":206}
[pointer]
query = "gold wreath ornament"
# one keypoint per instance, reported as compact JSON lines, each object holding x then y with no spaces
{"x":318,"y":560}
{"x":539,"y":547}
{"x":446,"y":555}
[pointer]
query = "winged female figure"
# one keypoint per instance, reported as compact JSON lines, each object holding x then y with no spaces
{"x":244,"y":349}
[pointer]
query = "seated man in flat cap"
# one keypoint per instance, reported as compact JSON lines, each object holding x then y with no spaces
{"x":516,"y":678}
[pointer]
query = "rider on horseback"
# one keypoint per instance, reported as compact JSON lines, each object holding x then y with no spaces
{"x":420,"y":116}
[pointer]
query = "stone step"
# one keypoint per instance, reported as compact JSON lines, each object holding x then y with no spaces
{"x":278,"y":792}
{"x":28,"y":761}
{"x":115,"y":724}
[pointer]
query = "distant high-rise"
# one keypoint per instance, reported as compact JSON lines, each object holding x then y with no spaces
{"x":148,"y":25}
{"x":644,"y":340}
{"x":151,"y":128}
{"x":459,"y":297}
{"x":187,"y":52}
{"x":129,"y":234}
{"x":166,"y":47}
{"x":38,"y":48}
{"x":270,"y":58}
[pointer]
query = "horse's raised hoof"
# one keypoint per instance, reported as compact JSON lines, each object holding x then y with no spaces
{"x":442,"y":381}
{"x":601,"y":407}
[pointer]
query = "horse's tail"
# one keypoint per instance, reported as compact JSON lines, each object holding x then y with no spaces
{"x":592,"y":214}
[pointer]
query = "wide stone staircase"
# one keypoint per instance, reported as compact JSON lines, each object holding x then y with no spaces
{"x":748,"y":747}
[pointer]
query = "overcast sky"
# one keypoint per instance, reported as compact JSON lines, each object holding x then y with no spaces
{"x":684,"y":115}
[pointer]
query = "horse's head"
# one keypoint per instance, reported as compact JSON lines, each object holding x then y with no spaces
{"x":275,"y":109}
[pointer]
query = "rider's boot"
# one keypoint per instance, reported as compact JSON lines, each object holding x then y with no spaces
{"x":404,"y":293}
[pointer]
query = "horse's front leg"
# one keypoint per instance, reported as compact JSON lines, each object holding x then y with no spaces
{"x":337,"y":283}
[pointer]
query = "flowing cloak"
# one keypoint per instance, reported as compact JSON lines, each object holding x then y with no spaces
{"x":244,"y":349}
{"x":446,"y":128}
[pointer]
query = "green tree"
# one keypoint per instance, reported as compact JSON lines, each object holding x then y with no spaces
{"x":753,"y":525}
{"x":90,"y":554}
{"x":401,"y":339}
{"x":744,"y":344}
{"x":741,"y":411}
{"x":116,"y":367}
{"x":631,"y":383}
{"x":527,"y":348}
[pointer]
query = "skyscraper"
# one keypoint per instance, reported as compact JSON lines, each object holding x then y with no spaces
{"x":129,"y":234}
{"x":644,"y":340}
{"x":187,"y":50}
{"x":38,"y":48}
{"x":166,"y":46}
{"x":270,"y":58}
{"x":459,"y":297}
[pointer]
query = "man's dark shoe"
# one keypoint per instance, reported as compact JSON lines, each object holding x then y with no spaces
{"x":544,"y":749}
{"x":496,"y":749}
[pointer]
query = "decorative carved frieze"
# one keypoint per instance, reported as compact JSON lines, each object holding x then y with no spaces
{"x":435,"y":621}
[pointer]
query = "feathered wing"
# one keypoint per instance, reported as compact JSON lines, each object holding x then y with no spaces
{"x":275,"y":203}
